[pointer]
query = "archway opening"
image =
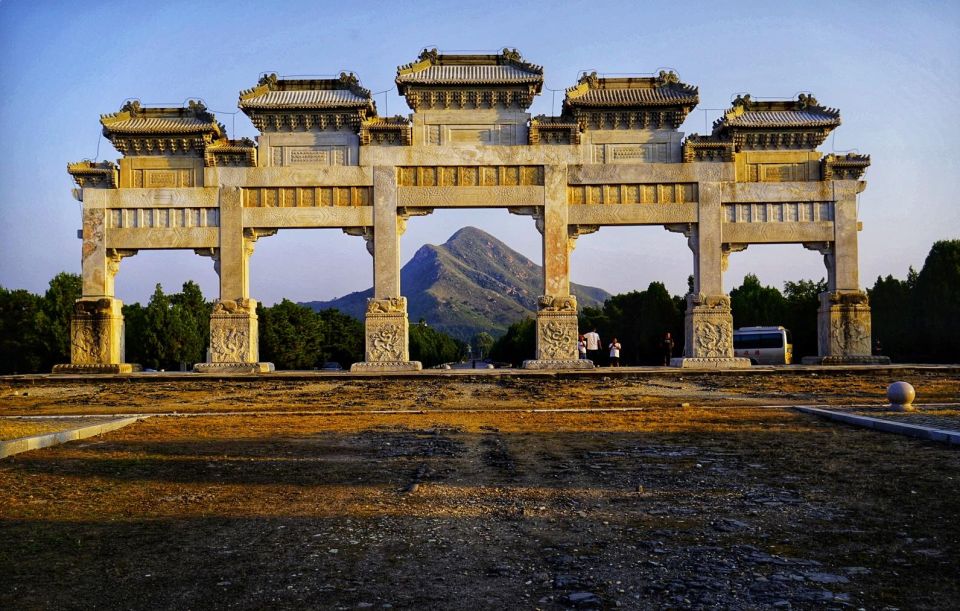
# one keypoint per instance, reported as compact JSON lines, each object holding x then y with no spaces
{"x":645,"y":269}
{"x":774,"y":285}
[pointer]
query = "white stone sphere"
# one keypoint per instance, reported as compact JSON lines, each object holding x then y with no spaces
{"x":901,"y":393}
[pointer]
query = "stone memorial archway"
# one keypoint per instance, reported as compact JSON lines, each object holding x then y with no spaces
{"x":324,"y":158}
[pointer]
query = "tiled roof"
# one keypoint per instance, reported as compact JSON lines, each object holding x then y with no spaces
{"x":659,"y":96}
{"x":326,"y":98}
{"x":160,"y":125}
{"x":813,"y":117}
{"x":470,"y":74}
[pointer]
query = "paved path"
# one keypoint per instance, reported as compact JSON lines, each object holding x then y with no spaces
{"x":934,"y":422}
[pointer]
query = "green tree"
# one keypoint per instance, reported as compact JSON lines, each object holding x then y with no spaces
{"x":432,"y":347}
{"x":756,"y":305}
{"x":22,"y":349}
{"x":291,"y":336}
{"x":188,"y":331}
{"x":481,"y":344}
{"x":343,"y":337}
{"x":893,"y":320}
{"x":937,"y":298}
{"x":517,"y":344}
{"x":802,"y":300}
{"x":56,"y":311}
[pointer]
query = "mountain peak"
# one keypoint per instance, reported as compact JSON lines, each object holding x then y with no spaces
{"x":472,"y":282}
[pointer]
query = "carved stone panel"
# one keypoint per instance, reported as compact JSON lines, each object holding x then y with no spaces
{"x":557,"y":330}
{"x":709,"y":326}
{"x":96,"y":331}
{"x":843,"y":324}
{"x":234,"y":332}
{"x":386,"y":330}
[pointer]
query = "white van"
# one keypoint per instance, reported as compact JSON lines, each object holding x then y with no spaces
{"x":763,"y":345}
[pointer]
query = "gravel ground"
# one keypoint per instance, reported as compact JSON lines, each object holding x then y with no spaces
{"x":731,"y":507}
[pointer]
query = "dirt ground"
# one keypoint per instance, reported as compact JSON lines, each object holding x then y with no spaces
{"x":480,"y":503}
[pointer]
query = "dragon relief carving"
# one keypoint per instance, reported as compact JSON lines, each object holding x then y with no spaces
{"x":386,"y":343}
{"x":557,"y":339}
{"x":713,"y":339}
{"x":228,"y":344}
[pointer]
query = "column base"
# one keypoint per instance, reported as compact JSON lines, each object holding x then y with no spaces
{"x":96,"y":368}
{"x":845,"y":360}
{"x":710,"y":363}
{"x":558,"y":364}
{"x":386,"y":366}
{"x":233,"y":368}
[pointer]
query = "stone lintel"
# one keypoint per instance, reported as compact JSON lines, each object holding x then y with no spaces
{"x":778,"y":232}
{"x":710,"y":363}
{"x":545,"y":364}
{"x":296,"y":176}
{"x":632,"y":214}
{"x":233,"y":367}
{"x":386,"y":366}
{"x":470,"y":197}
{"x":130,"y":238}
{"x":806,"y":191}
{"x":96,"y":368}
{"x":647,"y":173}
{"x":329,"y":216}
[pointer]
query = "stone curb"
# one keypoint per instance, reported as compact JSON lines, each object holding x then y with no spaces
{"x":886,"y":426}
{"x":36,"y":442}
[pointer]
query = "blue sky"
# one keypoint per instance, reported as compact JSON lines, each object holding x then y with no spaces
{"x":893,"y":70}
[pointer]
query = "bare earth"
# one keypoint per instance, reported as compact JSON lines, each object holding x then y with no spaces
{"x":473,"y":501}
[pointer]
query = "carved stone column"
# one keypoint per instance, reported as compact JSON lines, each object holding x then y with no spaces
{"x":843,"y":320}
{"x":96,"y":326}
{"x":708,"y":322}
{"x":234,"y":328}
{"x":386,"y":324}
{"x":557,"y":329}
{"x":708,"y":326}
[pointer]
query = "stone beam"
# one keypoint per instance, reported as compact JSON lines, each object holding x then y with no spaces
{"x":162,"y":239}
{"x":468,"y":155}
{"x":335,"y":216}
{"x":769,"y":192}
{"x":185,"y":197}
{"x":612,"y":173}
{"x":778,"y":233}
{"x":632,"y":214}
{"x":291,"y":176}
{"x":470,"y":197}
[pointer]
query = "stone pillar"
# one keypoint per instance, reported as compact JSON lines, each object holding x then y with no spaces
{"x":557,"y":330}
{"x":234,"y":330}
{"x":843,"y":320}
{"x":708,"y":322}
{"x":386,"y":324}
{"x":96,"y":327}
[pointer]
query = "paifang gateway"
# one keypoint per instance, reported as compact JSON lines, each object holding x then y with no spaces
{"x":325,"y":158}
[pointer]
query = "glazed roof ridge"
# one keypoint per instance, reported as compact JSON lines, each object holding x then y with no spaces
{"x":434,"y":68}
{"x":805,"y":111}
{"x":306,"y":93}
{"x":661,"y":90}
{"x":132,"y":118}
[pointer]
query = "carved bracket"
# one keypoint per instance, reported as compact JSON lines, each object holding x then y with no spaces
{"x":114,"y":256}
{"x":364,"y":232}
{"x":575,"y":231}
{"x":725,"y":250}
{"x":213,"y":253}
{"x":252,"y":234}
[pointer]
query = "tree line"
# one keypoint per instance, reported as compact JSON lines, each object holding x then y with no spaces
{"x":914,"y":320}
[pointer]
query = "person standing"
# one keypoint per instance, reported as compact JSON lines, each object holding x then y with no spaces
{"x":667,"y":345}
{"x":593,"y":345}
{"x":582,"y":348}
{"x":614,"y":353}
